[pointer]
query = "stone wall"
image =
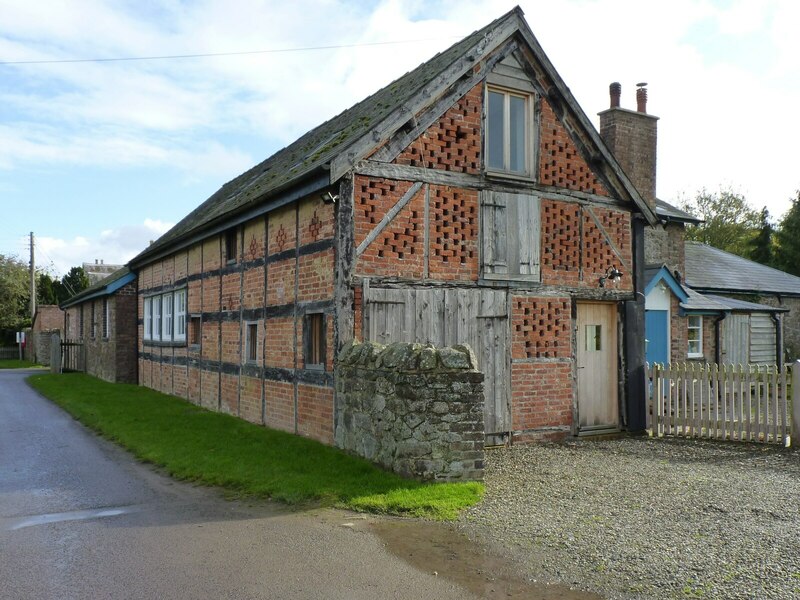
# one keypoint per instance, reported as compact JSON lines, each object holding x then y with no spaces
{"x":414,"y":409}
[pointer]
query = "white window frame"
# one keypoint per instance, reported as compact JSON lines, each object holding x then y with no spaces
{"x":699,"y":329}
{"x":528,"y":145}
{"x":156,"y":318}
{"x":148,"y":319}
{"x":166,"y":317}
{"x":179,"y":318}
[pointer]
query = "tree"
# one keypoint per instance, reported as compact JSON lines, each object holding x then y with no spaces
{"x":14,"y":293}
{"x":45,"y":289}
{"x":761,"y":249}
{"x":787,"y":237}
{"x":74,"y":282}
{"x":730,"y":223}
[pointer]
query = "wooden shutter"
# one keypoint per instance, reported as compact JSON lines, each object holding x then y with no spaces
{"x":511,"y":235}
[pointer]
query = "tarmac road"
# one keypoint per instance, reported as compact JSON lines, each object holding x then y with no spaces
{"x":79,"y":518}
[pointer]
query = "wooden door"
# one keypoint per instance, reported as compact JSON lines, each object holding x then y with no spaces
{"x":443,"y":317}
{"x":736,"y":339}
{"x":597,"y":355}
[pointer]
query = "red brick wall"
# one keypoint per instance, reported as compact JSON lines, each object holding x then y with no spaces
{"x":542,"y":397}
{"x":258,"y":287}
{"x":560,"y":163}
{"x":541,"y":371}
{"x":315,"y":412}
{"x":576,"y":252}
{"x":453,"y":143}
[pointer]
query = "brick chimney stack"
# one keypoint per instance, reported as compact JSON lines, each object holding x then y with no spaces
{"x":631,"y":137}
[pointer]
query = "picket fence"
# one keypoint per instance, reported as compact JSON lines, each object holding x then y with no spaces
{"x":746,"y":403}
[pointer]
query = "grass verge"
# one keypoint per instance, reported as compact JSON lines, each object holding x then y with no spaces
{"x":195,"y":444}
{"x":15,"y":363}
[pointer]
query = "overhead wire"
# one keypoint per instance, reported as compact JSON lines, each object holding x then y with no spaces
{"x":217,"y":54}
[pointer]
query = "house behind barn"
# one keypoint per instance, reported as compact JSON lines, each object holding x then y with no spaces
{"x":470,"y":201}
{"x":101,"y":321}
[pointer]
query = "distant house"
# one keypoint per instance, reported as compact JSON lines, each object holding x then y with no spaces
{"x":713,"y":271}
{"x":98,"y":270}
{"x":48,"y":319}
{"x":701,"y":304}
{"x":470,"y":201}
{"x":103,"y":317}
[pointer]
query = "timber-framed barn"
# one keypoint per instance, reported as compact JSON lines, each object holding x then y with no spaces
{"x":470,"y":201}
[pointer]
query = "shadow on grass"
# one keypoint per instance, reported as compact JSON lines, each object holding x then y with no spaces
{"x":194,"y":444}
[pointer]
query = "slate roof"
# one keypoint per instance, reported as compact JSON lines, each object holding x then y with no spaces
{"x":311,"y":152}
{"x":710,"y":269}
{"x":310,"y":157}
{"x":668,"y":212}
{"x":104,"y":287}
{"x":742,"y":306}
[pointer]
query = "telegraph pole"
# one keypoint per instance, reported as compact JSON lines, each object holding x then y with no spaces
{"x":33,"y":282}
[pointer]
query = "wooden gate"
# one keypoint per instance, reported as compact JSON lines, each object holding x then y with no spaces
{"x":745,"y":403}
{"x":443,"y":317}
{"x":73,"y":357}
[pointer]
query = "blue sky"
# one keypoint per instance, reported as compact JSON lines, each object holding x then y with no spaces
{"x":97,"y":158}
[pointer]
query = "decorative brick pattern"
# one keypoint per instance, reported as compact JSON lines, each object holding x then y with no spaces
{"x":454,"y":142}
{"x":454,"y":233}
{"x":560,"y":163}
{"x":541,"y":327}
{"x":598,"y":253}
{"x":398,"y":250}
{"x":561,"y":242}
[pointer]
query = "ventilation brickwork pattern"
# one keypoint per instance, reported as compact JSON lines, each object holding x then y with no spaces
{"x":454,"y":233}
{"x":560,"y":236}
{"x":560,"y":163}
{"x":398,"y":250}
{"x":454,"y":142}
{"x":598,"y":253}
{"x":541,"y":328}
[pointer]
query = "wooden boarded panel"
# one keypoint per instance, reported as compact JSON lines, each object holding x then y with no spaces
{"x":511,"y":228}
{"x":443,"y":317}
{"x":736,"y":339}
{"x":762,"y":339}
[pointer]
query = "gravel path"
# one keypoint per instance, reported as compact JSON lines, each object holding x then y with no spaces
{"x":640,"y":518}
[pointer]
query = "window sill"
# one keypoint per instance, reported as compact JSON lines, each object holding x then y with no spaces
{"x":695,"y":356}
{"x":492,"y":174}
{"x":159,"y":343}
{"x":317,"y":367}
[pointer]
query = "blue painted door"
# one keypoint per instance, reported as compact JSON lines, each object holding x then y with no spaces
{"x":656,"y":334}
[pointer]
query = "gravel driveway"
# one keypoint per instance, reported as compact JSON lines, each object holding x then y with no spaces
{"x":641,"y":518}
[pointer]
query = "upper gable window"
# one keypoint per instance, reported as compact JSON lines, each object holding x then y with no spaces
{"x":508,"y":131}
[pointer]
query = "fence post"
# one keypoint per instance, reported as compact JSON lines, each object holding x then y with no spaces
{"x":795,"y":403}
{"x":55,"y":353}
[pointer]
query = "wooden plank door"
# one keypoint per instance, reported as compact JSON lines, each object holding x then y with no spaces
{"x":736,"y":339}
{"x":597,"y":355}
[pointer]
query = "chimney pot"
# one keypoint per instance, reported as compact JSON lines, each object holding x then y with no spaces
{"x":95,"y":261}
{"x":615,"y":90}
{"x":641,"y":97}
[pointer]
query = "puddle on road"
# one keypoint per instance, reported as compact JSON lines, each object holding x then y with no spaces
{"x":432,"y":547}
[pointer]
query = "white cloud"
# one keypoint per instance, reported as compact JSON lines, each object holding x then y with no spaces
{"x":113,"y":246}
{"x":719,"y":120}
